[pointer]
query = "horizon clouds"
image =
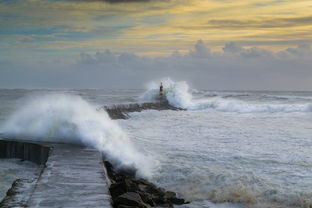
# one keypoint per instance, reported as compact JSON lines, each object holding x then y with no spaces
{"x":234,"y":68}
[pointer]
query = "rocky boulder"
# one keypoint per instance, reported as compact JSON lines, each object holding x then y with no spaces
{"x":127,"y":191}
{"x":130,"y":199}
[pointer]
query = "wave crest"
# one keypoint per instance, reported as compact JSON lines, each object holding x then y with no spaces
{"x":70,"y":119}
{"x":180,"y":95}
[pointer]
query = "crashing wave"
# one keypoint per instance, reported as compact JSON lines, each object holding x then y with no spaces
{"x":70,"y":119}
{"x":180,"y":95}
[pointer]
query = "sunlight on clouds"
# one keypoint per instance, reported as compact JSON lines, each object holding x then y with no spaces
{"x":154,"y":27}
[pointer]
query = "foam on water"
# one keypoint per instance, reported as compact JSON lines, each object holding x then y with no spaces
{"x":70,"y":119}
{"x":177,"y":93}
{"x":217,"y":159}
{"x":180,"y":95}
{"x":12,"y":169}
{"x":231,"y":105}
{"x":228,"y":150}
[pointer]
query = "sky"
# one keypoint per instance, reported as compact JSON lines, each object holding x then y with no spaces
{"x":213,"y":44}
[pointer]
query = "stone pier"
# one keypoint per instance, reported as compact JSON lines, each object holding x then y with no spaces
{"x":121,"y":111}
{"x":73,"y":176}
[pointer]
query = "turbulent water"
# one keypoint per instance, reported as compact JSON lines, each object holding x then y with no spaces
{"x":228,"y":149}
{"x":12,"y":169}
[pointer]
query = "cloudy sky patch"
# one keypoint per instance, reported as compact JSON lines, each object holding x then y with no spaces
{"x":220,"y":39}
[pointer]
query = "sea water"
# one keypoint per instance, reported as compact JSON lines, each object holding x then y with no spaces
{"x":13,"y":169}
{"x":227,"y":149}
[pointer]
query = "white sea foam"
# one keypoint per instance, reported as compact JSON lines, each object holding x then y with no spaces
{"x":177,"y":93}
{"x":12,"y":169}
{"x":180,"y":95}
{"x":231,"y":105}
{"x":70,"y":119}
{"x":232,"y":160}
{"x":219,"y":160}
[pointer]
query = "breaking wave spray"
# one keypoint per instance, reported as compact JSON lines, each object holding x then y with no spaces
{"x":70,"y":119}
{"x":180,"y":95}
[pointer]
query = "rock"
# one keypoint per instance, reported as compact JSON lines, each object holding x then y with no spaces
{"x":169,"y":195}
{"x":122,"y":186}
{"x":130,"y":199}
{"x":172,"y":197}
{"x":128,"y":171}
{"x":131,"y":185}
{"x":147,"y":198}
{"x":13,"y":190}
{"x":18,"y":194}
{"x":126,"y":191}
{"x":158,"y":199}
{"x":178,"y":201}
{"x":117,"y":189}
{"x":125,"y":206}
{"x":110,"y":170}
{"x":167,"y":205}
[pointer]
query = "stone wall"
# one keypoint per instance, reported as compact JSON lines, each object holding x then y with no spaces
{"x":26,"y":151}
{"x":121,"y":111}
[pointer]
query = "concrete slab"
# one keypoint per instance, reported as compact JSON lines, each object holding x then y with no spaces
{"x":74,"y":177}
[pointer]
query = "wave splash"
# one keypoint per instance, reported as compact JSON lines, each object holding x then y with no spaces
{"x":177,"y":93}
{"x":70,"y":119}
{"x":247,"y":191}
{"x":180,"y":95}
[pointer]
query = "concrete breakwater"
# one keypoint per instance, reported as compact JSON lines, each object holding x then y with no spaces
{"x":75,"y":176}
{"x":24,"y":150}
{"x":71,"y":176}
{"x":121,"y":111}
{"x":21,"y":189}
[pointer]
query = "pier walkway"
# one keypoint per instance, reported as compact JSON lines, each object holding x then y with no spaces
{"x":74,"y":176}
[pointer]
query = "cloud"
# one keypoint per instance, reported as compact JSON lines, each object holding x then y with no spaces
{"x":261,"y":23}
{"x":253,"y":52}
{"x":158,"y":26}
{"x":200,"y":50}
{"x":115,"y":1}
{"x":235,"y":68}
{"x":108,"y":57}
{"x":232,"y":47}
{"x":99,"y":57}
{"x":302,"y":51}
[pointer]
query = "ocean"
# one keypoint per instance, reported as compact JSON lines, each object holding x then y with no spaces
{"x":227,"y":149}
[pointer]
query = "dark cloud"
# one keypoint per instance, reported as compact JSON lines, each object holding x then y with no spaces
{"x":112,"y":1}
{"x":125,"y":1}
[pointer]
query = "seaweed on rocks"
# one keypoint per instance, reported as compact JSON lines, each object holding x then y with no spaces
{"x":127,"y":191}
